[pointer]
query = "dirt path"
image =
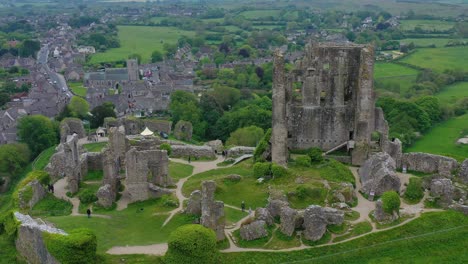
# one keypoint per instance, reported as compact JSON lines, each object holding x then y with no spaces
{"x":364,"y":206}
{"x":60,"y":191}
{"x":155,"y":249}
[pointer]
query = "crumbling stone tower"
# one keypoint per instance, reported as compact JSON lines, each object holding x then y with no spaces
{"x":132,"y":68}
{"x":328,"y":101}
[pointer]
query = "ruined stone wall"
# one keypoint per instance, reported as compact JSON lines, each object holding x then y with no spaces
{"x":335,"y":104}
{"x":192,"y":151}
{"x":69,"y":126}
{"x":279,"y":132}
{"x":94,"y":160}
{"x":30,"y":243}
{"x":143,"y":170}
{"x":118,"y":143}
{"x":158,"y":125}
{"x":429,"y":163}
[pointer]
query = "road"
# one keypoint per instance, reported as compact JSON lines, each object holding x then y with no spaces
{"x":57,"y":80}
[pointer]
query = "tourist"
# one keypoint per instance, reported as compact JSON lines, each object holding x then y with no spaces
{"x":52,"y":188}
{"x":188,"y":159}
{"x":88,"y":212}
{"x":243,"y":206}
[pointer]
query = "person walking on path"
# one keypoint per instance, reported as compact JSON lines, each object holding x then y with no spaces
{"x":88,"y":212}
{"x":243,"y":206}
{"x":188,"y":159}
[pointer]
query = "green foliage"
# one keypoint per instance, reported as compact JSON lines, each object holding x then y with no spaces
{"x":336,"y":171}
{"x":303,"y":161}
{"x":390,"y":202}
{"x":87,"y":197}
{"x":315,"y":155}
{"x":184,"y":106}
{"x":169,"y":201}
{"x":78,"y":107}
{"x":278,"y":170}
{"x":246,"y":136}
{"x":95,"y":147}
{"x":100,"y":112}
{"x":262,"y":146}
{"x":167,"y":147}
{"x":51,"y":206}
{"x":78,"y":247}
{"x":156,"y":56}
{"x":13,"y":157}
{"x":192,"y":244}
{"x":10,"y":224}
{"x":414,"y":191}
{"x":38,"y":132}
{"x":315,"y":194}
{"x":261,"y":169}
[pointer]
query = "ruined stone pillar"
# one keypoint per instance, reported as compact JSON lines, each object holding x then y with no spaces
{"x":279,"y":136}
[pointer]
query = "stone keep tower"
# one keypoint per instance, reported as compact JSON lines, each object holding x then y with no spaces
{"x":132,"y":68}
{"x":332,"y":104}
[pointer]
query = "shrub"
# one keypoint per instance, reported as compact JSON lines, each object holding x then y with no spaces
{"x":87,"y":197}
{"x":10,"y":224}
{"x":278,"y":170}
{"x":167,"y":201}
{"x":414,"y":190}
{"x":2,"y":181}
{"x":303,"y":161}
{"x":336,"y":171}
{"x":78,"y":247}
{"x":262,"y":146}
{"x":192,"y":244}
{"x":390,"y":201}
{"x":315,"y":155}
{"x":262,"y":169}
{"x":166,"y":147}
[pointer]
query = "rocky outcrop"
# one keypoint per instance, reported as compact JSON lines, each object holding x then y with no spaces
{"x":443,"y":190}
{"x":216,"y":145}
{"x":395,"y":150}
{"x":255,"y":230}
{"x":316,"y":219}
{"x":179,"y":151}
{"x":381,"y":216}
{"x":463,"y":174}
{"x":460,"y":207}
{"x":288,"y":220}
{"x":275,"y":207}
{"x":429,"y":163}
{"x":194,"y":203}
{"x":105,"y":196}
{"x":264,"y":215}
{"x":31,"y":194}
{"x":345,"y":194}
{"x":239,"y":151}
{"x":29,"y":241}
{"x":212,"y":215}
{"x":378,"y":175}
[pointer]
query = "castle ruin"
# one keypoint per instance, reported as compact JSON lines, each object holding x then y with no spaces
{"x":327,"y":101}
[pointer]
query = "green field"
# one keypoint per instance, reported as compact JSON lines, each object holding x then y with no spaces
{"x":430,"y":25}
{"x":259,"y":14}
{"x":141,"y":40}
{"x":393,"y":75}
{"x":450,"y":94}
{"x":442,"y":138}
{"x":439,"y":59}
{"x":77,"y":88}
{"x":424,"y":42}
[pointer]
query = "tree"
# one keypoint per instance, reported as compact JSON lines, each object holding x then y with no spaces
{"x":414,"y":191}
{"x":100,"y":112}
{"x":246,"y":136}
{"x":29,"y":48}
{"x":13,"y":157}
{"x":167,"y":147}
{"x":390,"y":202}
{"x":156,"y":56}
{"x":78,"y":107}
{"x":4,"y":98}
{"x":192,"y":244}
{"x":135,"y":56}
{"x":226,"y":97}
{"x":38,"y":132}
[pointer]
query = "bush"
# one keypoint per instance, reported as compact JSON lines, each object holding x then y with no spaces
{"x":192,"y":244}
{"x":315,"y":155}
{"x":167,"y":201}
{"x":391,"y":202}
{"x":262,"y":146}
{"x":278,"y":170}
{"x":87,"y":197}
{"x":166,"y":147}
{"x":78,"y":247}
{"x":414,"y":190}
{"x":262,"y":169}
{"x":303,"y":161}
{"x":336,"y":171}
{"x":10,"y":224}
